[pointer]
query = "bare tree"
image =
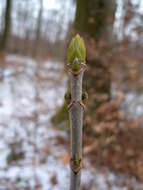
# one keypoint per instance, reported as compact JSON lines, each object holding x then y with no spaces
{"x":38,"y":29}
{"x":95,"y":18}
{"x":6,"y":30}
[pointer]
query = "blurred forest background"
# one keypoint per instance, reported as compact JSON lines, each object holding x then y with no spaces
{"x":34,"y":125}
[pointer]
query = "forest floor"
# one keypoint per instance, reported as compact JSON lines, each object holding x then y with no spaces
{"x":34,"y":155}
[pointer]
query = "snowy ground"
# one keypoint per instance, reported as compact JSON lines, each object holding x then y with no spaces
{"x":30,"y":93}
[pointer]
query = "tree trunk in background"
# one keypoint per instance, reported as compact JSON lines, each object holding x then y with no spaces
{"x":6,"y":30}
{"x":38,"y":29}
{"x":94,"y":19}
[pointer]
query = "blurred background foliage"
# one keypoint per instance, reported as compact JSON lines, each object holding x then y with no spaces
{"x":113,"y":34}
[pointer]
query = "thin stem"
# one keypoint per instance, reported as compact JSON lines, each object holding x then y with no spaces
{"x":76,"y":58}
{"x":76,"y":122}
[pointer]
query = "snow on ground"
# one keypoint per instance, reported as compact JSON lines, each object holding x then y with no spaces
{"x":134,"y":102}
{"x":30,"y":93}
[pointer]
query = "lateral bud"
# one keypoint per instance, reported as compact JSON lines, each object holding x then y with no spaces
{"x":67,"y":97}
{"x":76,"y":163}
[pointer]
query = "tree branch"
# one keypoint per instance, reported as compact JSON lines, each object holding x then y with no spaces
{"x":76,"y":68}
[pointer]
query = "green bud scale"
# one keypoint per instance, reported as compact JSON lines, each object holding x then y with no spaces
{"x":76,"y":52}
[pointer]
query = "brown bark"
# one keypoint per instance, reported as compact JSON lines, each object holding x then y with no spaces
{"x":38,"y":30}
{"x":6,"y":30}
{"x":94,"y":19}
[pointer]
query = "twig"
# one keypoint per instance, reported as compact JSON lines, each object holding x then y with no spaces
{"x":76,"y":67}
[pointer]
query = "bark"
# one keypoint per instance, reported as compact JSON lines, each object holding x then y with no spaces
{"x":76,"y":118}
{"x":76,"y":126}
{"x":38,"y":29}
{"x":94,"y":19}
{"x":6,"y":30}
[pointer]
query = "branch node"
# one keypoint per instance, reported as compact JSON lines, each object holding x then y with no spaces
{"x":72,"y":103}
{"x":82,"y":67}
{"x":76,"y":164}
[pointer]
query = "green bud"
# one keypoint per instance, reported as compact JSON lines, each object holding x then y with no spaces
{"x":77,"y":160}
{"x":76,"y":163}
{"x":68,"y":97}
{"x":76,"y":50}
{"x":84,"y":97}
{"x":75,"y":65}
